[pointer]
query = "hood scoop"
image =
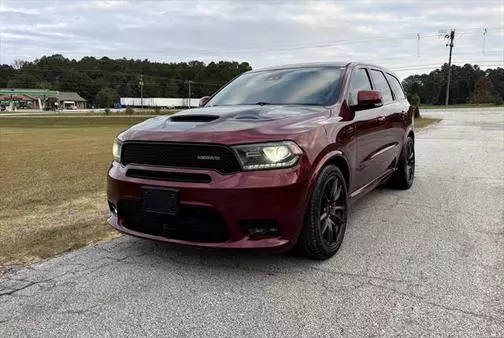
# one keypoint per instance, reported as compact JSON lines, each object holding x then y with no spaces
{"x":193,"y":118}
{"x":252,"y":114}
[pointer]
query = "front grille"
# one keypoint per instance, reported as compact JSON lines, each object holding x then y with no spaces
{"x":169,"y":176}
{"x":180,"y":155}
{"x":190,"y":224}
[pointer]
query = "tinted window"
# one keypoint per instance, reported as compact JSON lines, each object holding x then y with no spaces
{"x":381,"y":85}
{"x":396,"y":87}
{"x":358,"y":81}
{"x":304,"y":86}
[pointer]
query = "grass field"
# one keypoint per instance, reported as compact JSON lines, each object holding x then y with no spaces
{"x":53,"y":174}
{"x":53,"y":182}
{"x":425,"y":121}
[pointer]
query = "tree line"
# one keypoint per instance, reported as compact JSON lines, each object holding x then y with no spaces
{"x":102,"y":81}
{"x":469,"y":84}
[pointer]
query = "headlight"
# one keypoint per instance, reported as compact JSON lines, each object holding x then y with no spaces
{"x":268,"y":155}
{"x":116,"y":150}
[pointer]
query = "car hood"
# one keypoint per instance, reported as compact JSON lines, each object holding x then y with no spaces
{"x":229,"y":124}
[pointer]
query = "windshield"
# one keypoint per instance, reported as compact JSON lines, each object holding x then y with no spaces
{"x":296,"y":86}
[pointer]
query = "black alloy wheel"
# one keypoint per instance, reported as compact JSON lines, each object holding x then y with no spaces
{"x":405,"y":171}
{"x":410,"y":160}
{"x":326,"y":217}
{"x":332,"y":210}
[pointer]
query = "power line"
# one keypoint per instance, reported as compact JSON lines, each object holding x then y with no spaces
{"x":405,"y":36}
{"x":338,"y":42}
{"x":133,"y":74}
{"x":334,"y":43}
{"x":437,"y":65}
{"x":475,"y":62}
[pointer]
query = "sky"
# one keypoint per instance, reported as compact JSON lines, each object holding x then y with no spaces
{"x":406,"y":36}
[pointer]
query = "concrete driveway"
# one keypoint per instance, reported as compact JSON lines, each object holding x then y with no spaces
{"x":425,"y":261}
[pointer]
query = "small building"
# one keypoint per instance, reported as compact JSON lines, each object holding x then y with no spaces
{"x":11,"y":99}
{"x":159,"y":102}
{"x":40,"y":99}
{"x":71,"y":100}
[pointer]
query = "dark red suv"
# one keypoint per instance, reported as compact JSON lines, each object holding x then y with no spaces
{"x":273,"y":160}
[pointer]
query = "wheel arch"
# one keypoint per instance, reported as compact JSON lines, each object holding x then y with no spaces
{"x":340,"y":162}
{"x":336,"y":158}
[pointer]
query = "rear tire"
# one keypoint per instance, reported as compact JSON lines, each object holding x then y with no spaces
{"x":405,"y":173}
{"x":325,"y":221}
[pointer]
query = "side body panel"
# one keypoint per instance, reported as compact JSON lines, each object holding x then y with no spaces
{"x":371,"y":139}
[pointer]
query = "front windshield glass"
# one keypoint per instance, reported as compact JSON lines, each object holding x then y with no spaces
{"x":296,"y":86}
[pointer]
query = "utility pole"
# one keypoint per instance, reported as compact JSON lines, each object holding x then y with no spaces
{"x":141,"y":84}
{"x":418,"y":45}
{"x":484,"y":41}
{"x":189,"y":102}
{"x":450,"y":36}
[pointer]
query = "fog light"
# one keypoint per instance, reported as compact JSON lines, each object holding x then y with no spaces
{"x":260,"y":227}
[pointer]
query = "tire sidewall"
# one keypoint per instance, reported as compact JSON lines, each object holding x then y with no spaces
{"x":314,"y":210}
{"x":404,"y":163}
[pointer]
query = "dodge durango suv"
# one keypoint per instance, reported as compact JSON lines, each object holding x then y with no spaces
{"x":272,"y":160}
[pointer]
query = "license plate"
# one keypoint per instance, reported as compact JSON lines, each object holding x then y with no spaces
{"x":160,"y":200}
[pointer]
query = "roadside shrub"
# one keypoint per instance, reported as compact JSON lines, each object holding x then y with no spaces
{"x":107,"y":111}
{"x":414,"y":101}
{"x":129,"y":111}
{"x":157,"y":110}
{"x":499,"y":101}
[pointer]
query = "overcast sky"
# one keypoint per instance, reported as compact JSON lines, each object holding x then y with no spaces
{"x":263,"y":33}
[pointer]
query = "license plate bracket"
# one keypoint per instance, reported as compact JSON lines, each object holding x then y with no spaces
{"x":160,"y":200}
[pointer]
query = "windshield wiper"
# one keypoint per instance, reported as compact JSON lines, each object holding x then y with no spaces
{"x":261,"y":103}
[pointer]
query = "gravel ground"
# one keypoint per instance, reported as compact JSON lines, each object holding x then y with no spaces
{"x":428,"y":261}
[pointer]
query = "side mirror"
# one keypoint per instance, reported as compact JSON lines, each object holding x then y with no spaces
{"x":203,"y":101}
{"x":367,"y":99}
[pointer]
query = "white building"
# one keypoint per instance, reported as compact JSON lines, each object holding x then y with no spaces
{"x":161,"y":102}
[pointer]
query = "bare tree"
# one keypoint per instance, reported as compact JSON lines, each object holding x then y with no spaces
{"x":18,"y":64}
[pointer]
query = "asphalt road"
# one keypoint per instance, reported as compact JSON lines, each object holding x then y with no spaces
{"x":425,"y":261}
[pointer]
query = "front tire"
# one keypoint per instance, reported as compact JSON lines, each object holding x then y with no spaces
{"x":326,"y":217}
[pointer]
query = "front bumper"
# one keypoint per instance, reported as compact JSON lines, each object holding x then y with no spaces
{"x":279,"y":196}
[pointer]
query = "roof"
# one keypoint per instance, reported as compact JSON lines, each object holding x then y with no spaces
{"x":304,"y":65}
{"x":323,"y":64}
{"x":29,"y":92}
{"x":70,"y":96}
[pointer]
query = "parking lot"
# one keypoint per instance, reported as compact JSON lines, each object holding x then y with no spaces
{"x":429,"y":261}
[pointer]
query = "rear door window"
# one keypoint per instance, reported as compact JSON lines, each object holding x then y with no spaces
{"x":381,"y":85}
{"x":358,"y":81}
{"x":396,"y":87}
